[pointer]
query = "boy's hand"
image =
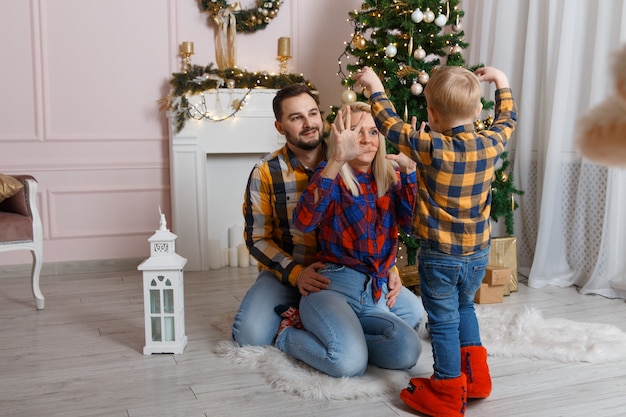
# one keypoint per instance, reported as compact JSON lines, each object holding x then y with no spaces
{"x":367,"y":78}
{"x":406,"y":164}
{"x":492,"y":75}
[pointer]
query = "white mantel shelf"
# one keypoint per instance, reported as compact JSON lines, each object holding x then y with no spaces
{"x":210,"y":165}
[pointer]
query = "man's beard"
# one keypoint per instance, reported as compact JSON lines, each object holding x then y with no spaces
{"x":304,"y":145}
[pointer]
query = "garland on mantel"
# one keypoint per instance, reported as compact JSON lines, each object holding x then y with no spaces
{"x":199,"y":79}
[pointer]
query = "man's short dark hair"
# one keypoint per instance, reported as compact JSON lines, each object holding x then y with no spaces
{"x":292,"y":90}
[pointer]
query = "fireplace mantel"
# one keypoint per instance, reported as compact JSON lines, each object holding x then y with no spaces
{"x":210,"y":162}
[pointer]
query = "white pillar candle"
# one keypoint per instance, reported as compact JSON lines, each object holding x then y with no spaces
{"x":225,"y":257}
{"x":243,"y":256}
{"x":232,"y":257}
{"x":235,"y":235}
{"x":215,"y":254}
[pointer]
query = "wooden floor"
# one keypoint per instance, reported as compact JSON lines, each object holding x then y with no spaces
{"x":82,"y":356}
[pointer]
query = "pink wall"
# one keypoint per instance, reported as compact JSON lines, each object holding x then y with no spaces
{"x":80,"y":80}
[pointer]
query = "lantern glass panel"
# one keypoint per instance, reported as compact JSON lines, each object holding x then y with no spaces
{"x":156,"y":329}
{"x":168,"y":301}
{"x":155,"y":301}
{"x":169,"y":329}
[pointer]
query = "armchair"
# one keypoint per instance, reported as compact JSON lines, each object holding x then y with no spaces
{"x":20,"y":228}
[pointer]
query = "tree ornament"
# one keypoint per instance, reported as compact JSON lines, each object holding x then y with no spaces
{"x":348,"y":96}
{"x":419,"y":53}
{"x":359,"y":41}
{"x":456,"y":49}
{"x":417,"y":16}
{"x":391,"y":50}
{"x":362,"y":43}
{"x":457,"y":26}
{"x":416,"y":89}
{"x":429,"y":16}
{"x":423,"y":77}
{"x":441,"y":20}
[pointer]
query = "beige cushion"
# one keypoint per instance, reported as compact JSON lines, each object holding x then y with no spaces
{"x":9,"y":186}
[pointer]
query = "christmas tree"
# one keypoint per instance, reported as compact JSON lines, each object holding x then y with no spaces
{"x":404,"y":41}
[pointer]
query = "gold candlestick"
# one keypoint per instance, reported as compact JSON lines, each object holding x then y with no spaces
{"x":284,"y":53}
{"x":186,"y":50}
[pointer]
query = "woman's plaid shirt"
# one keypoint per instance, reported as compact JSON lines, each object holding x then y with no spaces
{"x":455,"y":173}
{"x":360,"y":232}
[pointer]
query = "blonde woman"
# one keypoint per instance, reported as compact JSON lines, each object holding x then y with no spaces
{"x":355,"y":200}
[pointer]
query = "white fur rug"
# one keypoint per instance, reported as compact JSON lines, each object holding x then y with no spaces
{"x":504,"y":332}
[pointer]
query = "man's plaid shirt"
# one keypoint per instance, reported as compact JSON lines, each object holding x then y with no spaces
{"x":273,"y":190}
{"x":455,"y":173}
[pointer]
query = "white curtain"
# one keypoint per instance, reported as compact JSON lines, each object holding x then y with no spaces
{"x":571,"y":225}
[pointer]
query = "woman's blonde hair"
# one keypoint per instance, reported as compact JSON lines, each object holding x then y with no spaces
{"x":454,"y":92}
{"x":383,"y":169}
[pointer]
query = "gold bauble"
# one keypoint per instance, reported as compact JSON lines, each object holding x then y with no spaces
{"x":505,"y":177}
{"x":348,"y":96}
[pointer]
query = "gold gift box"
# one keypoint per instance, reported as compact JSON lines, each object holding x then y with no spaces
{"x":503,"y":252}
{"x":410,"y":278}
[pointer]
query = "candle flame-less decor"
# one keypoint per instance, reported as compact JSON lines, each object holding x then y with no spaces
{"x":186,"y":50}
{"x":284,"y":53}
{"x":164,"y":309}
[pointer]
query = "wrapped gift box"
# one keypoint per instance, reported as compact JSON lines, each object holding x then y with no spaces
{"x":497,"y":275}
{"x":503,"y":252}
{"x":489,"y":294}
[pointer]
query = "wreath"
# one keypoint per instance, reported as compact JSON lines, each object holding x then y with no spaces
{"x":248,"y":20}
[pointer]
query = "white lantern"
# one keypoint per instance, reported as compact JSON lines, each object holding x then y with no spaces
{"x":163,"y":295}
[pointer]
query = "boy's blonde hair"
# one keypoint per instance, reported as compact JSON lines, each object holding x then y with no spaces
{"x":454,"y":92}
{"x":382,"y":168}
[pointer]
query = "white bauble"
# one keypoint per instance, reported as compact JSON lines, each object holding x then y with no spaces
{"x":419,"y":53}
{"x":429,"y":16}
{"x":417,"y":16}
{"x":441,"y":20}
{"x":391,"y":50}
{"x":423,"y":77}
{"x":457,"y":27}
{"x":416,"y":89}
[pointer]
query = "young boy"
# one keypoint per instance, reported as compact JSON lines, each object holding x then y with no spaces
{"x":456,"y":167}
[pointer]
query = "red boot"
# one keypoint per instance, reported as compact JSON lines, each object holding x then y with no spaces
{"x":437,"y":397}
{"x":474,"y":366}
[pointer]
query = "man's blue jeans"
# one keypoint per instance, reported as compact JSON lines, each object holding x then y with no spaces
{"x":256,"y":322}
{"x":448,"y":284}
{"x":344,"y":329}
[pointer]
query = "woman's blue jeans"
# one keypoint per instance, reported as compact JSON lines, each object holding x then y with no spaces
{"x":448,"y":284}
{"x":344,"y":329}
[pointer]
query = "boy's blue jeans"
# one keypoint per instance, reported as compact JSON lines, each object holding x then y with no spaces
{"x":345,"y":329}
{"x":448,"y":284}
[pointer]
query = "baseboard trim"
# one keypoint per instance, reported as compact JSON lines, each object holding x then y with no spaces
{"x":73,"y":267}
